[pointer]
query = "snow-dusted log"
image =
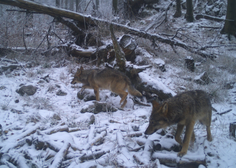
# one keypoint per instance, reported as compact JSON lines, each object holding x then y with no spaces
{"x":21,"y":162}
{"x":94,"y":155}
{"x":60,"y":156}
{"x":28,"y":132}
{"x":125,"y":157}
{"x":186,"y":161}
{"x":147,"y":152}
{"x":57,"y":13}
{"x":57,"y":129}
{"x":145,"y":157}
{"x":12,"y":160}
{"x":96,"y":139}
{"x":91,"y":134}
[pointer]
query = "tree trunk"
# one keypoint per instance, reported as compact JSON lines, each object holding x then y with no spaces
{"x":230,"y":22}
{"x":120,"y":55}
{"x":189,"y":12}
{"x":115,"y":6}
{"x":178,"y":12}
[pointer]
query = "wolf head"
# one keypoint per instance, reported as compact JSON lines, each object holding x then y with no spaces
{"x":78,"y":76}
{"x":158,"y":118}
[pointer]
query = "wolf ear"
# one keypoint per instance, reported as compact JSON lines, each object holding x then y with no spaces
{"x":165,"y":108}
{"x":81,"y":68}
{"x":155,"y":104}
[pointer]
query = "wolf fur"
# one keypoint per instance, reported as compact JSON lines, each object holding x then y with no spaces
{"x":109,"y":79}
{"x":184,"y":110}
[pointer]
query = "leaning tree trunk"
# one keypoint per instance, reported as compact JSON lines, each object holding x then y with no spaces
{"x":230,"y":22}
{"x":178,"y":12}
{"x":189,"y":12}
{"x":120,"y":55}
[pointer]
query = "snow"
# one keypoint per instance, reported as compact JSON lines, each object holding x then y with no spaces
{"x":32,"y":122}
{"x":34,"y":117}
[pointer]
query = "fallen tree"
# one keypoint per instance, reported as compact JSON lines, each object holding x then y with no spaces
{"x":58,"y":13}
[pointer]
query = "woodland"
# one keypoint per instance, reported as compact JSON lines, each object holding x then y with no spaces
{"x":165,"y":47}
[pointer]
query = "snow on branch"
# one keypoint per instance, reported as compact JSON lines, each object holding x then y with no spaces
{"x":60,"y":155}
{"x":58,"y":13}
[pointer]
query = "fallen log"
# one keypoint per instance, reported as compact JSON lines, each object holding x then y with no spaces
{"x":57,"y":129}
{"x":126,"y":157}
{"x":92,"y":156}
{"x":146,"y":155}
{"x":60,"y":155}
{"x":57,"y":12}
{"x":29,"y":132}
{"x":168,"y":159}
{"x":96,"y":139}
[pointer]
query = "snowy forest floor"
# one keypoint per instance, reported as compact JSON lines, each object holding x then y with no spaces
{"x":48,"y":129}
{"x":36,"y":129}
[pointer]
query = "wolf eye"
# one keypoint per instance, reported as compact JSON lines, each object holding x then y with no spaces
{"x":152,"y":122}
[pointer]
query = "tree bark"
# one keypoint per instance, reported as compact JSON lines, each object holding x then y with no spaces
{"x":178,"y":12}
{"x":120,"y":55}
{"x":230,"y":22}
{"x":189,"y":12}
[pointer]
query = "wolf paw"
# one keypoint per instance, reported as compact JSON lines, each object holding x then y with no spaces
{"x":181,"y":153}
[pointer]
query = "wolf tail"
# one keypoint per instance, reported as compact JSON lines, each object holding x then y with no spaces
{"x":133,"y":91}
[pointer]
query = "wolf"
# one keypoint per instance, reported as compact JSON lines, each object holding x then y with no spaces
{"x":183,"y":109}
{"x":109,"y":79}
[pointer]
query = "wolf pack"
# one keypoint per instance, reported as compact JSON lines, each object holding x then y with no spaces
{"x":184,"y":109}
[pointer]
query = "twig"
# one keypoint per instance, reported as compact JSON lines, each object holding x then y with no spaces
{"x":200,"y":16}
{"x":136,"y":101}
{"x":227,"y":111}
{"x":87,"y":5}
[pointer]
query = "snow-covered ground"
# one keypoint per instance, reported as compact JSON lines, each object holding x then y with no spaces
{"x":47,"y":130}
{"x":117,"y":136}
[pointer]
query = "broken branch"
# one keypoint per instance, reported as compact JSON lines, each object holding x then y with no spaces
{"x":60,"y":156}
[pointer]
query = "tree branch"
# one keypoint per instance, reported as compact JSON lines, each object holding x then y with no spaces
{"x":57,"y":12}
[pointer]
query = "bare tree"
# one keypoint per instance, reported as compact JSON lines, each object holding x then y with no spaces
{"x":230,"y":22}
{"x":189,"y":12}
{"x":178,"y":12}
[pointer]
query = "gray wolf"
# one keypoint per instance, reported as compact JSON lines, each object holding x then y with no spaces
{"x":109,"y":79}
{"x":184,"y":110}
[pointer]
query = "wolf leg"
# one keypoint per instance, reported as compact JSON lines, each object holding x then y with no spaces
{"x":187,"y":137}
{"x":123,"y":97}
{"x":209,"y":137}
{"x":193,"y":137}
{"x":123,"y":94}
{"x":178,"y":133}
{"x":96,"y":92}
{"x":207,"y":122}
